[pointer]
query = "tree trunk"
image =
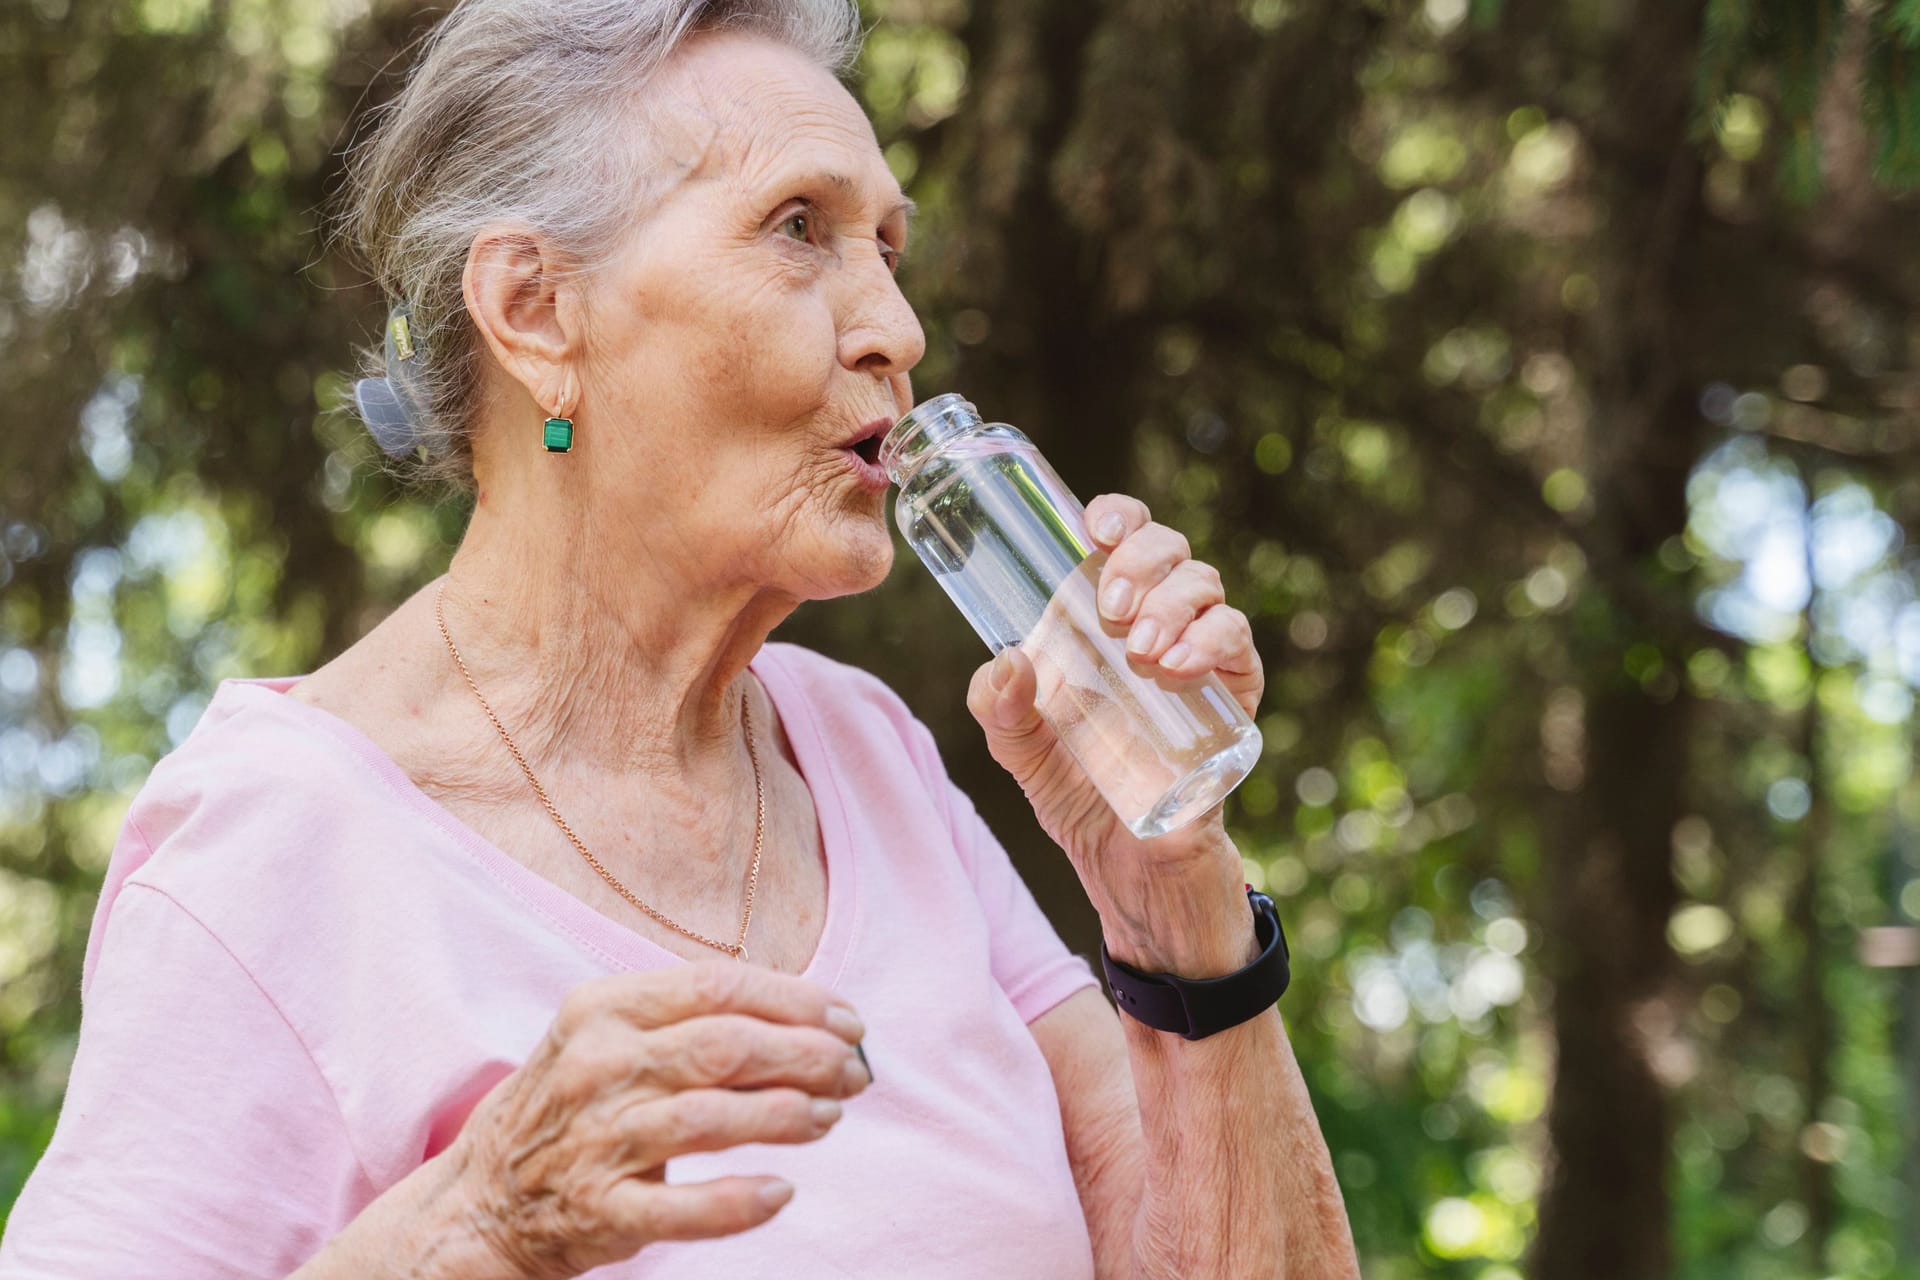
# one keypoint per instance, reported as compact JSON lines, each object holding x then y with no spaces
{"x":1605,"y":1210}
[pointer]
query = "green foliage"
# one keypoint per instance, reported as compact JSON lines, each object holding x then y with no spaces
{"x":1793,"y":45}
{"x":1469,"y":369}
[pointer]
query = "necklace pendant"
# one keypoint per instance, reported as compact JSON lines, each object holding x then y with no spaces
{"x":740,"y":953}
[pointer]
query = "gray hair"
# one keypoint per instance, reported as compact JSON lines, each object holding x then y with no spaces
{"x":514,"y":113}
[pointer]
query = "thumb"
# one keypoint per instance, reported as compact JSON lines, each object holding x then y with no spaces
{"x":1001,"y":698}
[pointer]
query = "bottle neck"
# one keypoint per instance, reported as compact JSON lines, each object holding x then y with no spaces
{"x":925,"y":430}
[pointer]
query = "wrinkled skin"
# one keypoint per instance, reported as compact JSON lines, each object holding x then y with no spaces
{"x":565,"y":1160}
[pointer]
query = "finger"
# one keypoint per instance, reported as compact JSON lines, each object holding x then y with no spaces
{"x":1111,"y":517}
{"x":741,"y":1052}
{"x":649,"y":1211}
{"x":1192,"y":588}
{"x":661,"y":997}
{"x":1001,"y":697}
{"x":650,"y":1133}
{"x":1220,"y":641}
{"x":1138,"y":565}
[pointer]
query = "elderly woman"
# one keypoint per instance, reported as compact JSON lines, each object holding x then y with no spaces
{"x":541,"y":933}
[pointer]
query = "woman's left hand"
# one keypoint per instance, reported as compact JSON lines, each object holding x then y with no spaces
{"x":1177,"y":618}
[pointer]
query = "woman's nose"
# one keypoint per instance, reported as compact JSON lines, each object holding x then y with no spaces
{"x":881,"y":334}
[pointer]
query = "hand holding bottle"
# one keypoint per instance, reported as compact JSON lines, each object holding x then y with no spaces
{"x":1153,"y":895}
{"x":1158,"y":735}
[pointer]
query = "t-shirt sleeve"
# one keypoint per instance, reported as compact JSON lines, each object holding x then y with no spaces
{"x":198,"y":1139}
{"x":1030,"y":963}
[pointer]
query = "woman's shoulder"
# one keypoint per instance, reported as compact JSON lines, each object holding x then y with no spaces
{"x":842,"y":696}
{"x":818,"y":673}
{"x":859,"y":717}
{"x":254,"y":744}
{"x":235,"y":820}
{"x":277,"y":782}
{"x":294,"y":739}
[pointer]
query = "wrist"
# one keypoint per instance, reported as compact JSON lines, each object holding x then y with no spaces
{"x":420,"y":1228}
{"x":1196,"y":925}
{"x":450,"y":1233}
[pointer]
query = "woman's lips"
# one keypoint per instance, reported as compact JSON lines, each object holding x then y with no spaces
{"x":871,"y":475}
{"x":863,"y":454}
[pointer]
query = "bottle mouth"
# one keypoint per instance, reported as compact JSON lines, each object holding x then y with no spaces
{"x":926,"y":423}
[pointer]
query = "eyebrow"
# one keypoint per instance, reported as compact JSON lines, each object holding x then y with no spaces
{"x":848,"y":187}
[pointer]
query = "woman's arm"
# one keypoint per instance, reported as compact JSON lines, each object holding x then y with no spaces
{"x":1194,"y":1158}
{"x":199,"y":1140}
{"x":420,"y":1228}
{"x":1232,"y":1175}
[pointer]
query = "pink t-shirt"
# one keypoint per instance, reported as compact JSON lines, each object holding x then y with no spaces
{"x":303,"y":974}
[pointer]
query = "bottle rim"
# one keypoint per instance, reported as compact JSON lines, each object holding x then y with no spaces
{"x":913,"y":423}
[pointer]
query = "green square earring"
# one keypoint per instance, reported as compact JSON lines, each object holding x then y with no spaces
{"x":557,"y":436}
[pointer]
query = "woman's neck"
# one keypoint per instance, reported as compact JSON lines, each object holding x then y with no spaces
{"x":613,"y":664}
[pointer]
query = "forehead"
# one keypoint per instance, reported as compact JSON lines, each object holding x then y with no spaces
{"x":743,"y":110}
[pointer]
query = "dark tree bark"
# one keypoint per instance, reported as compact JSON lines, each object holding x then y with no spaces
{"x":1605,"y":1211}
{"x":1088,"y":180}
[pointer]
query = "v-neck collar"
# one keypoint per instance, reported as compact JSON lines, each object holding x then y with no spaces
{"x":613,"y":942}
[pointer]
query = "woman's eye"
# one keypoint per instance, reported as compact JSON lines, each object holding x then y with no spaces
{"x":890,"y":256}
{"x":798,"y":224}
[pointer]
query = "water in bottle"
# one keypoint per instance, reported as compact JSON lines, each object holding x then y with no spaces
{"x":1008,"y":542}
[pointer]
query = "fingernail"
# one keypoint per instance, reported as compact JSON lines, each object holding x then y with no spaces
{"x":1000,"y":672}
{"x":825,"y":1112}
{"x":1111,"y":527}
{"x":1176,"y":655}
{"x":1115,"y":599}
{"x":854,"y":1076}
{"x":774,"y":1194}
{"x":844,"y":1022}
{"x":1141,"y":638}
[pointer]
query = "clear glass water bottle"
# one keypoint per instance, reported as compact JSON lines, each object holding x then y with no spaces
{"x":1009,"y":543}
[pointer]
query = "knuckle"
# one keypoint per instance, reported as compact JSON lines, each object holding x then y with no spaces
{"x":580,"y":1007}
{"x":1158,"y":549}
{"x":718,"y":1054}
{"x":715,"y":985}
{"x":595,"y":1056}
{"x":808,"y":1058}
{"x":693,"y":1120}
{"x":825,"y":1058}
{"x":790,"y":1113}
{"x":1168,"y":609}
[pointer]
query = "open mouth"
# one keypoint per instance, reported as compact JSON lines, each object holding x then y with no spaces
{"x":867,"y":447}
{"x":863,"y":455}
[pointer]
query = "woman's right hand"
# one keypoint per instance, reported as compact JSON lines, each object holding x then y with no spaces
{"x":562,"y":1166}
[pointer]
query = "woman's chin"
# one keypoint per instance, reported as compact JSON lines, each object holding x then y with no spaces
{"x":857,"y":559}
{"x":874,"y":560}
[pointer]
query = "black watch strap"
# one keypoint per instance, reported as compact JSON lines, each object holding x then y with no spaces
{"x":1198,"y":1007}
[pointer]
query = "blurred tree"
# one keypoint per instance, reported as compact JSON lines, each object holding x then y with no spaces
{"x":1138,"y":206}
{"x":1513,"y":359}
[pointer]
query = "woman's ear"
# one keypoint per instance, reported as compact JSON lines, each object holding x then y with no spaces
{"x":527,"y":307}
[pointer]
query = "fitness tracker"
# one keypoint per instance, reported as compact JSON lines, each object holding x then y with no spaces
{"x":1196,"y":1008}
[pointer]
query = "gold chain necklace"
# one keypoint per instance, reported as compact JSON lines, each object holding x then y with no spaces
{"x":737,"y":949}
